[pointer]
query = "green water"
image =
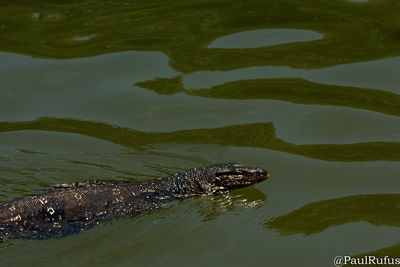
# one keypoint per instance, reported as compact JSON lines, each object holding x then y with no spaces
{"x":132,"y":90}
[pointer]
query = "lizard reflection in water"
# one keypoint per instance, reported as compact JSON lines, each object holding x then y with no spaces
{"x":71,"y":208}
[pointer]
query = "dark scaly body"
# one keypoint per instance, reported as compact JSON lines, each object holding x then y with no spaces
{"x":70,"y":208}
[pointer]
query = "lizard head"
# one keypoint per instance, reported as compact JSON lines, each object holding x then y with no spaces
{"x":230,"y":176}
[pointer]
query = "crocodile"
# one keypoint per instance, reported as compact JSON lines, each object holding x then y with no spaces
{"x":66,"y":209}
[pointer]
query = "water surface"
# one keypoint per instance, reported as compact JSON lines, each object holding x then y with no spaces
{"x":132,"y":90}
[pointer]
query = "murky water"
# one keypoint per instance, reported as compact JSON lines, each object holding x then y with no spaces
{"x":132,"y":90}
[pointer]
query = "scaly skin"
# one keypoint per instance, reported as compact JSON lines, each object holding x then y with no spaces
{"x":71,"y":208}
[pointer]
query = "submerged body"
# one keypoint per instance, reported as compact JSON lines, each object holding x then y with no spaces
{"x":71,"y":208}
